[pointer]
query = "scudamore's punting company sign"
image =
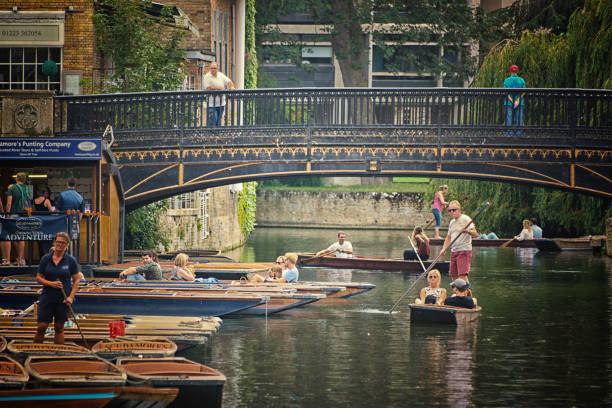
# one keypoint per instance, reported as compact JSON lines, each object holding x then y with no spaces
{"x":50,"y":149}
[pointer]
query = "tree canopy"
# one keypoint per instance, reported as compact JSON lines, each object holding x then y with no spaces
{"x":144,"y":48}
{"x":578,"y":58}
{"x":452,"y":24}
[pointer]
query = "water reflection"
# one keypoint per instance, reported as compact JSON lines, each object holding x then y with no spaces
{"x":542,"y":339}
{"x":444,"y":354}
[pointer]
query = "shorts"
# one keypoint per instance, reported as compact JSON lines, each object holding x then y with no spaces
{"x":460,"y":263}
{"x":438,"y":216}
{"x":49,"y":309}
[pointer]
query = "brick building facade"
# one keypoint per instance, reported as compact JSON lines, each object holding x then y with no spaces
{"x":33,"y":32}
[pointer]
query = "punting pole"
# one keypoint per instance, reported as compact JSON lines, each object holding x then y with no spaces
{"x":435,"y":261}
{"x":74,"y":317}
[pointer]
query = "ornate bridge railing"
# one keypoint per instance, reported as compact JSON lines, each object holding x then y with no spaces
{"x":555,"y":118}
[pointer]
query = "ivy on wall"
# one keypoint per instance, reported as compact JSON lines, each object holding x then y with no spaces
{"x":250,"y":72}
{"x":142,"y":229}
{"x":247,"y":199}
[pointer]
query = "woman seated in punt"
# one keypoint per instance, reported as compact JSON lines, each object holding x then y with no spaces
{"x":181,"y":271}
{"x":432,"y":294}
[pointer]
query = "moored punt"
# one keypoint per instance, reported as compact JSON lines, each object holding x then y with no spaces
{"x":74,"y":371}
{"x":478,"y":242}
{"x":563,"y":244}
{"x":122,"y":347}
{"x":198,"y":384}
{"x":544,"y":244}
{"x":90,"y":397}
{"x":184,"y":331}
{"x":12,"y":374}
{"x":217,"y":269}
{"x":368,"y":263}
{"x":23,"y":348}
{"x":165,"y":304}
{"x":443,"y":314}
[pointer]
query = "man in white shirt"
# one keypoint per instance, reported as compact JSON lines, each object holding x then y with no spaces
{"x":216,"y":81}
{"x":341,"y":249}
{"x":461,"y":250}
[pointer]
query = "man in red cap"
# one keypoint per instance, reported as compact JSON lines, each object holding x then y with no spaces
{"x":514,"y":102}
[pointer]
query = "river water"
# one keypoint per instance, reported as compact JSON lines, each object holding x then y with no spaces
{"x":543,"y":338}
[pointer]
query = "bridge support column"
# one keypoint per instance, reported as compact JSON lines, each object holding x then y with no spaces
{"x":239,"y":44}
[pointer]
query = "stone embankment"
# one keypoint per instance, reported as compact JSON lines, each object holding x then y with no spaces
{"x":341,"y":209}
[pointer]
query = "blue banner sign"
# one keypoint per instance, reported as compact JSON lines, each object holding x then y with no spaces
{"x":53,"y":148}
{"x":34,"y":228}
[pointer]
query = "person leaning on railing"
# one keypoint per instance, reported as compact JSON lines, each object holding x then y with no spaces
{"x":514,"y":101}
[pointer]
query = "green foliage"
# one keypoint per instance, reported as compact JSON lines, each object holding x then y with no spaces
{"x":535,"y":15}
{"x":293,"y":182}
{"x":589,"y":36}
{"x":559,"y":213}
{"x":579,"y":58}
{"x":250,"y":77}
{"x":450,"y":23}
{"x":247,"y":204}
{"x":142,"y":229}
{"x":145,"y":51}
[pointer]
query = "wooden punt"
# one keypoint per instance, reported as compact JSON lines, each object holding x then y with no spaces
{"x":90,"y":397}
{"x":27,"y":348}
{"x":220,"y":269}
{"x":478,"y":242}
{"x":166,"y":304}
{"x":12,"y":374}
{"x":74,"y":371}
{"x":368,"y":263}
{"x":143,"y":347}
{"x":443,"y":314}
{"x":562,"y":244}
{"x":198,"y":384}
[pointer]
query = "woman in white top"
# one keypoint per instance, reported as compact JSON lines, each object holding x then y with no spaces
{"x":432,"y":294}
{"x":526,"y":233}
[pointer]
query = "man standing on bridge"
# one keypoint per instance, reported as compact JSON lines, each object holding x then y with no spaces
{"x":514,"y":102}
{"x":216,"y":81}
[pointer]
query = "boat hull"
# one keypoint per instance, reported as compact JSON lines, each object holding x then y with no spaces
{"x":141,"y":304}
{"x":443,"y":314}
{"x":199,"y":385}
{"x":560,"y":244}
{"x":368,"y":263}
{"x":91,"y":397}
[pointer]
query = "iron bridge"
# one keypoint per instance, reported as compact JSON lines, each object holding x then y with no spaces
{"x":164,"y":146}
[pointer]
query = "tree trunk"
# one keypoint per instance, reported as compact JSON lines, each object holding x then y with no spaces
{"x":349,"y":44}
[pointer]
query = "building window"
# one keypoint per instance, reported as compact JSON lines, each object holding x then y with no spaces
{"x":185,"y":201}
{"x":21,"y":68}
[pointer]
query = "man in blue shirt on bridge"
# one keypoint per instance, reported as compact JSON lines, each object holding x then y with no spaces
{"x":514,"y":102}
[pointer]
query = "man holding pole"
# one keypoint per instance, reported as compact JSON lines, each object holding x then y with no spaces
{"x":460,"y":233}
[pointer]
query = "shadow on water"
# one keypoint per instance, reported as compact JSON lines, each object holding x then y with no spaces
{"x":542,"y":338}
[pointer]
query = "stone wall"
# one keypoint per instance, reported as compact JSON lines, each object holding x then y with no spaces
{"x":332,"y":209}
{"x":189,"y":230}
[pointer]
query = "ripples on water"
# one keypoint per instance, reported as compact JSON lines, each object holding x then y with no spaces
{"x":543,"y":338}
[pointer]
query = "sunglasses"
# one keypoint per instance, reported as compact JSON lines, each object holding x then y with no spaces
{"x":453,"y":209}
{"x":432,"y":277}
{"x":61,"y":243}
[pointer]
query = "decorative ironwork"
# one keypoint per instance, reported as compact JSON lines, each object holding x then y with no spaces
{"x":455,"y":132}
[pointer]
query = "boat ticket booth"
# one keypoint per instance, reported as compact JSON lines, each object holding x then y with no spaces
{"x":29,"y":145}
